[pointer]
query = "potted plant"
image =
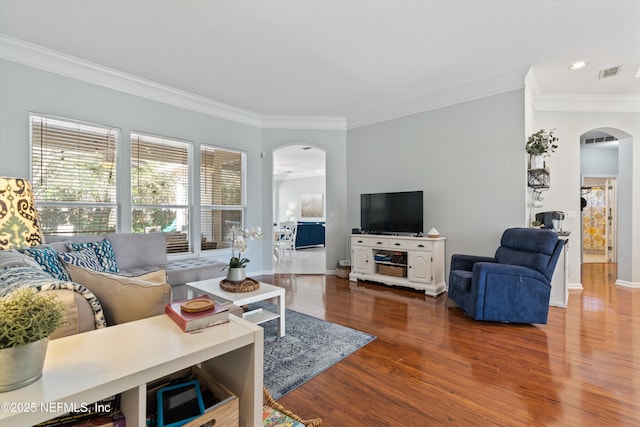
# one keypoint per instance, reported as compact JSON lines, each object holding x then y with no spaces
{"x":237,"y":263}
{"x":541,"y":144}
{"x":27,"y":318}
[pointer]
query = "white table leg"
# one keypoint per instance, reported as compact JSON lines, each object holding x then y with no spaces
{"x":281,"y":311}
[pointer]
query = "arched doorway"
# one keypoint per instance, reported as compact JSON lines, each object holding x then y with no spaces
{"x":605,"y":194}
{"x":299,"y":194}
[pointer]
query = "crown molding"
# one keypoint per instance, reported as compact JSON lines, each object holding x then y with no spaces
{"x":468,"y":92}
{"x":69,"y":66}
{"x":588,"y":103}
{"x":582,"y":103}
{"x":36,"y":56}
{"x":305,"y":122}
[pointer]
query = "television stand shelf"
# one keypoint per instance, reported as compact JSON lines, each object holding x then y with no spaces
{"x":414,"y":262}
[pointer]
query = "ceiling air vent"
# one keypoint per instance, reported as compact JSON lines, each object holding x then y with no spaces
{"x":599,"y":139}
{"x":609,"y":72}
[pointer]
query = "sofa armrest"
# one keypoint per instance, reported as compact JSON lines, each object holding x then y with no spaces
{"x":466,"y":262}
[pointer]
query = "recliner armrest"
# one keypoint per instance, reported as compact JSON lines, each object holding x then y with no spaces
{"x":466,"y":262}
{"x":483,"y":269}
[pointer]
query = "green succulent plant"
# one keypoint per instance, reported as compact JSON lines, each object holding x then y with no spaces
{"x":28,"y":316}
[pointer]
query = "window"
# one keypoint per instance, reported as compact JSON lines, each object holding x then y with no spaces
{"x":160,"y":188}
{"x":222,"y":200}
{"x":73,"y":173}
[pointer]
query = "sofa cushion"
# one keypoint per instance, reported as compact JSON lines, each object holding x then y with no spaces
{"x":85,"y":258}
{"x":138,"y":250}
{"x":104,"y":252}
{"x":48,"y":259}
{"x":183,"y":270}
{"x":124,"y":299}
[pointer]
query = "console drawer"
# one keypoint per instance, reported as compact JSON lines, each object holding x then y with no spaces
{"x":405,"y":244}
{"x":373,"y":242}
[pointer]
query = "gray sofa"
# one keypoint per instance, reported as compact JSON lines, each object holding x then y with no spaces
{"x":138,"y":254}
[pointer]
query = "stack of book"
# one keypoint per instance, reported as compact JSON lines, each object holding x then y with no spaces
{"x":197,"y":313}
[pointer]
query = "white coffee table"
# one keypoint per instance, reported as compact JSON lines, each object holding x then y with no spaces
{"x":266,"y":291}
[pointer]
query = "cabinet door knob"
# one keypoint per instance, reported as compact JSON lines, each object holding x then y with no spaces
{"x":421,"y":246}
{"x":378,"y":243}
{"x":397,"y":244}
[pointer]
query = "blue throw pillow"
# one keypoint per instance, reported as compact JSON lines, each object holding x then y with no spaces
{"x":104,"y":252}
{"x":85,"y":258}
{"x":48,"y":259}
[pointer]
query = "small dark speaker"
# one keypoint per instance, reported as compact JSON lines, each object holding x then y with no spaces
{"x":356,"y":231}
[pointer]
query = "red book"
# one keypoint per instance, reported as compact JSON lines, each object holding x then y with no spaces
{"x":188,"y":320}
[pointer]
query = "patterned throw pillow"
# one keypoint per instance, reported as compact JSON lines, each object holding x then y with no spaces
{"x":86,"y":258}
{"x":104,"y":252}
{"x":48,"y":259}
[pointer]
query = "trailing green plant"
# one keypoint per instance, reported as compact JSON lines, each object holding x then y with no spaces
{"x":542,"y":143}
{"x":28,"y":316}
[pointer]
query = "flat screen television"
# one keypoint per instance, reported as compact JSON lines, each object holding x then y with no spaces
{"x":389,"y":213}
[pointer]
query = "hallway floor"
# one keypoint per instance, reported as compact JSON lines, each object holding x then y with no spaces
{"x":305,"y":261}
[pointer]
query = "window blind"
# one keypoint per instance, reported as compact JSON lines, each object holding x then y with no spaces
{"x":160,"y":188}
{"x":73,"y":168}
{"x":222,"y":194}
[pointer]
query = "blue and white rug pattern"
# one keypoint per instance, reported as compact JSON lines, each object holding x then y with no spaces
{"x":309,"y":347}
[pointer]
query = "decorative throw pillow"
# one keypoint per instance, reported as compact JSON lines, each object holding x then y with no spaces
{"x":48,"y":259}
{"x":85,"y":258}
{"x":124,"y":299}
{"x":104,"y":252}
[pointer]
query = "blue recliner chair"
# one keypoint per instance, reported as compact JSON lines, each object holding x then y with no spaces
{"x":515,"y":286}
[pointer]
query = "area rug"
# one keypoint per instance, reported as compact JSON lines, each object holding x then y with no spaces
{"x":309,"y":347}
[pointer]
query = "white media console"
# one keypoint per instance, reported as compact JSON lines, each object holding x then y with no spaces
{"x":414,"y":262}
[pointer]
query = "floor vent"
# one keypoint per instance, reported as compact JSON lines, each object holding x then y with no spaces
{"x":609,"y":72}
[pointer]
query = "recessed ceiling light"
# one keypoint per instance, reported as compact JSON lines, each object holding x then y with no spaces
{"x":578,"y":65}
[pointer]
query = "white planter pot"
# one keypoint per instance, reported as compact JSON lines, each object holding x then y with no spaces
{"x":236,"y":274}
{"x":20,"y":366}
{"x":537,"y":162}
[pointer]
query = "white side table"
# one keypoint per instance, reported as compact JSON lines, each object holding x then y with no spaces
{"x":266,"y":291}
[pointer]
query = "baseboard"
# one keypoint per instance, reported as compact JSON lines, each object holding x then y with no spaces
{"x":627,"y":284}
{"x":575,"y":286}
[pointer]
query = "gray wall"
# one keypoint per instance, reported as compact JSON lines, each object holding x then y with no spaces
{"x":468,"y":159}
{"x":595,"y":161}
{"x":26,"y":89}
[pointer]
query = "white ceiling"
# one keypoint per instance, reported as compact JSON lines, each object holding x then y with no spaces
{"x":298,"y":161}
{"x":342,"y":58}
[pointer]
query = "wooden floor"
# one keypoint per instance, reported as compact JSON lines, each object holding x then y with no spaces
{"x":431,"y":365}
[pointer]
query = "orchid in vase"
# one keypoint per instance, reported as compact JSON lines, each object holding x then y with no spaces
{"x":239,"y":243}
